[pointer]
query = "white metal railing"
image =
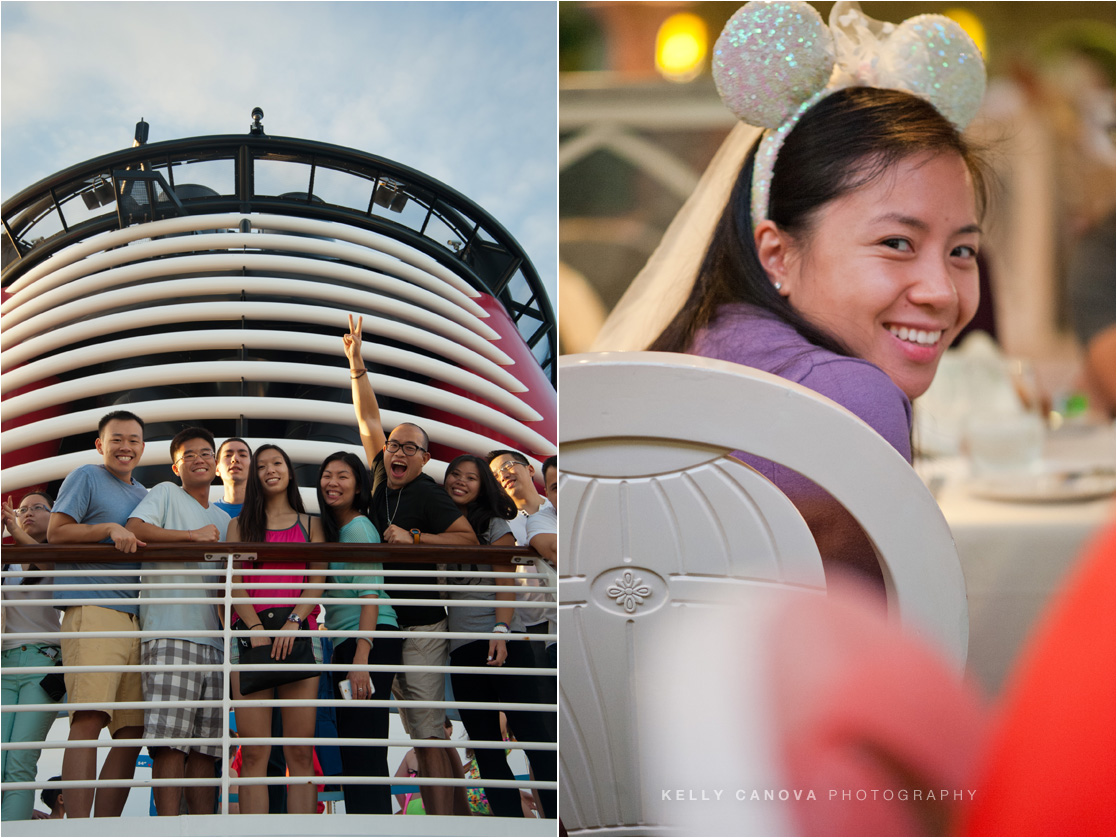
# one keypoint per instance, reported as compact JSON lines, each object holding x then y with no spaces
{"x":218,"y":591}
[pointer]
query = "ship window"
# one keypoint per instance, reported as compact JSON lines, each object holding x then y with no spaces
{"x":342,"y":189}
{"x":276,"y":177}
{"x":88,"y":198}
{"x":218,"y":175}
{"x":440,"y":232}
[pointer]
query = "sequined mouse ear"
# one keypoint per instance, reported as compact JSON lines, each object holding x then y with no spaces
{"x":770,"y":58}
{"x":933,"y":57}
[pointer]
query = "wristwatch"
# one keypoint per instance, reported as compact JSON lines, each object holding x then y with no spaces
{"x":294,"y":618}
{"x":415,"y":536}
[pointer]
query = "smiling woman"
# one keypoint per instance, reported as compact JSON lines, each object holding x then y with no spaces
{"x":845,"y":259}
{"x":890,"y":269}
{"x":344,"y":494}
{"x":273,"y":512}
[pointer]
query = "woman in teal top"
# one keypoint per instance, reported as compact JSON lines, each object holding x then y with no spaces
{"x":344,"y":493}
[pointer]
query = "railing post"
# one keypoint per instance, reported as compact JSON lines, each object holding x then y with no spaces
{"x":227,"y":676}
{"x":166,"y":577}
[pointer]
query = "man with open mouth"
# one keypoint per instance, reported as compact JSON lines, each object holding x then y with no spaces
{"x":409,"y":507}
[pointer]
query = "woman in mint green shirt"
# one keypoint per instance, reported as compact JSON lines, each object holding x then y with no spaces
{"x":344,"y":493}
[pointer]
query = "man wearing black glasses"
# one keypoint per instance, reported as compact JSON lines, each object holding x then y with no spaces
{"x":409,"y":507}
{"x":174,"y":513}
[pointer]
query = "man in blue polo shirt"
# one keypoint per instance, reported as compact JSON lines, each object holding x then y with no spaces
{"x":93,"y":505}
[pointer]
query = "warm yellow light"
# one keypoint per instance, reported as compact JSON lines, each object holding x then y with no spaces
{"x":680,"y":47}
{"x":972,"y":26}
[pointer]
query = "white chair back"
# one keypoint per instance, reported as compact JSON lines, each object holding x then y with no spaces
{"x":658,"y":519}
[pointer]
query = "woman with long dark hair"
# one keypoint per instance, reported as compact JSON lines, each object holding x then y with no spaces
{"x":488,"y":509}
{"x":845,"y":258}
{"x":273,"y":512}
{"x":344,"y":491}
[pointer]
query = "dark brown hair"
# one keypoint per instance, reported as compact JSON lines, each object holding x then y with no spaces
{"x":253,"y":516}
{"x":187,"y":434}
{"x":362,"y":497}
{"x":845,"y":142}
{"x":491,"y":501}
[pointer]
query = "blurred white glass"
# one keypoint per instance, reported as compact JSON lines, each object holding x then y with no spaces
{"x":1005,"y":429}
{"x":1005,"y":444}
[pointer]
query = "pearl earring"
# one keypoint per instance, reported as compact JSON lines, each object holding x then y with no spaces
{"x":779,"y":285}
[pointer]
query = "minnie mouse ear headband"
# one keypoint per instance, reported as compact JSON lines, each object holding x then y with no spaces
{"x":775,"y":60}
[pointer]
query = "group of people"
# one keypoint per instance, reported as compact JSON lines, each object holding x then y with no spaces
{"x":488,"y":500}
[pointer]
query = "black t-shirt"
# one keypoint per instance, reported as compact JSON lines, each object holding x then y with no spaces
{"x":424,"y":505}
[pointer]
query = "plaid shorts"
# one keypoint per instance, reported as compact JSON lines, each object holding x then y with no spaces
{"x":175,"y":685}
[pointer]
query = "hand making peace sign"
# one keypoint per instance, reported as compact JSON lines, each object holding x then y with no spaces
{"x":352,"y":343}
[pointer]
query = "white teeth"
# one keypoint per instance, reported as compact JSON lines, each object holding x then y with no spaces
{"x":916,"y":335}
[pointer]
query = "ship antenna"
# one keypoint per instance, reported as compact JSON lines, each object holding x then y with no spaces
{"x":141,"y":133}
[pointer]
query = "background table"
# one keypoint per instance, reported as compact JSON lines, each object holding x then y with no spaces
{"x":1016,"y":555}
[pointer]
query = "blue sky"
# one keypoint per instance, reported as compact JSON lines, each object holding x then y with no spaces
{"x":464,"y":91}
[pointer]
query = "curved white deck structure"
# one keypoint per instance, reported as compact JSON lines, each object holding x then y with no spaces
{"x":201,"y":304}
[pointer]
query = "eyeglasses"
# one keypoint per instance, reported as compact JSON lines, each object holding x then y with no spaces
{"x":409,"y":448}
{"x":511,"y":464}
{"x":35,"y":507}
{"x":191,"y":456}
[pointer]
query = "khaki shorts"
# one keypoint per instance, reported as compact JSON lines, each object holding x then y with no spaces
{"x":423,"y":722}
{"x":103,"y":688}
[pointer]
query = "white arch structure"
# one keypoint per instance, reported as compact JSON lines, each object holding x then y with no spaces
{"x":407,"y":255}
{"x":120,"y":311}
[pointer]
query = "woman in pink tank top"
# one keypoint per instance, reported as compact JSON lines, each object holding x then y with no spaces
{"x":273,"y":512}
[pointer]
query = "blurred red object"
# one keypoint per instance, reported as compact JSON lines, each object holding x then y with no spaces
{"x":872,"y":719}
{"x":1050,"y":765}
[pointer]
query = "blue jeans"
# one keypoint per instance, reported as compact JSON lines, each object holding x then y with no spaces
{"x":19,"y":766}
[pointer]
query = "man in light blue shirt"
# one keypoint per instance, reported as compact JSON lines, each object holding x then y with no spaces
{"x":174,"y":513}
{"x":93,"y":505}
